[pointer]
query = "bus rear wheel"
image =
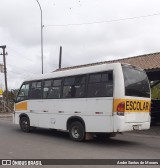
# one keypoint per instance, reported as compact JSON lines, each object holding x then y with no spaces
{"x":25,"y":124}
{"x":77,"y":131}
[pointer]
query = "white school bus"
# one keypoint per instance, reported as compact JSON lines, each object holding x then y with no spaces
{"x":101,"y":100}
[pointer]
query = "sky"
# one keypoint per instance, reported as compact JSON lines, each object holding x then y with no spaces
{"x":88,"y":30}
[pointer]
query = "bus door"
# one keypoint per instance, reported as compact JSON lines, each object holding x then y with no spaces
{"x":51,"y":94}
{"x":35,"y":102}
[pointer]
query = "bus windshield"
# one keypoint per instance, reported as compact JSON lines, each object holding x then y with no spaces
{"x":136,"y":82}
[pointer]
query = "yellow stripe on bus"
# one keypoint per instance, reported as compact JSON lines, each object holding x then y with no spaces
{"x":132,"y":105}
{"x":21,"y":106}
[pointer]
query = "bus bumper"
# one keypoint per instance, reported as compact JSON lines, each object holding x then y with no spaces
{"x":121,"y":126}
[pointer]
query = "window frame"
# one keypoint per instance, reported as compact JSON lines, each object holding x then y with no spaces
{"x":24,"y":83}
{"x":43,"y":84}
{"x":101,"y":72}
{"x":36,"y":87}
{"x":86,"y":85}
{"x":53,"y":79}
{"x":75,"y":76}
{"x":131,"y":67}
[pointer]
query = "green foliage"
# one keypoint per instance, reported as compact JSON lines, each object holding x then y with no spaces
{"x":155,"y":92}
{"x":11,"y":95}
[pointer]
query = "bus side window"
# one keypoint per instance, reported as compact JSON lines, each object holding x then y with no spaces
{"x":23,"y":93}
{"x":80,"y":84}
{"x":36,"y":90}
{"x":69,"y":88}
{"x":46,"y":88}
{"x":100,"y":84}
{"x":74,"y":87}
{"x":55,"y":90}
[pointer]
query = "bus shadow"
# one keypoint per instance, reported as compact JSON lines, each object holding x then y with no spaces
{"x":61,"y":135}
{"x":113,"y":142}
{"x":50,"y":133}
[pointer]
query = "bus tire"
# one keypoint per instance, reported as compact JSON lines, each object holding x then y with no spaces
{"x":77,"y":131}
{"x":25,"y":124}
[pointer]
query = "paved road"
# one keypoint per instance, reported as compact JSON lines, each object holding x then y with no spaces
{"x":44,"y":144}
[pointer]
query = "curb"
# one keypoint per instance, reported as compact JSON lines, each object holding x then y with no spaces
{"x":4,"y":115}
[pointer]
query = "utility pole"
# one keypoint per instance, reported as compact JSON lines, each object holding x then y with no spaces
{"x":5,"y":71}
{"x":60,"y":57}
{"x":41,"y":34}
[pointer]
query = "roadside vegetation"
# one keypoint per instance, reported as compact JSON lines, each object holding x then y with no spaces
{"x":155,"y":92}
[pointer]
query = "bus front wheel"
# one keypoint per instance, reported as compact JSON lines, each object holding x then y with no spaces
{"x":24,"y":124}
{"x":77,"y":131}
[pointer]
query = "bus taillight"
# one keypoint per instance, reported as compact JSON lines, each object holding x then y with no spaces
{"x":121,"y":108}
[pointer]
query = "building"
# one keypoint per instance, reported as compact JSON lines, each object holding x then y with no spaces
{"x":149,"y":62}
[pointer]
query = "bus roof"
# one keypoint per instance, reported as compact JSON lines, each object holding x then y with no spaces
{"x":75,"y":71}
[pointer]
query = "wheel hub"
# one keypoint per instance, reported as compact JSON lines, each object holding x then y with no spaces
{"x":75,"y":133}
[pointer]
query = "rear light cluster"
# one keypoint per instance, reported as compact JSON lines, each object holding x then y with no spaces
{"x":121,"y":109}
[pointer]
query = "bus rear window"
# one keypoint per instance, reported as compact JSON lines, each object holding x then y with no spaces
{"x":136,"y":82}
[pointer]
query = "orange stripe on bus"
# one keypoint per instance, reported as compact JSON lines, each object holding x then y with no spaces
{"x":21,"y":106}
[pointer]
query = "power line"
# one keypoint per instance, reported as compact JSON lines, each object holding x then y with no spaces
{"x":20,"y":54}
{"x":21,"y":68}
{"x":101,"y":22}
{"x":17,"y":73}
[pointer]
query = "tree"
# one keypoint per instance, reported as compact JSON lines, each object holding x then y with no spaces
{"x":155,"y":92}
